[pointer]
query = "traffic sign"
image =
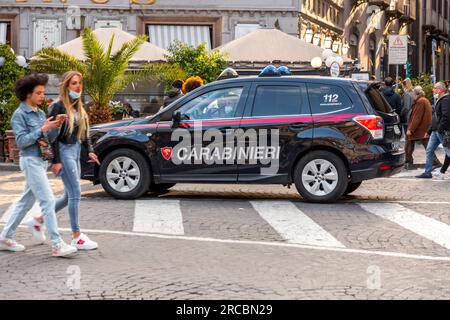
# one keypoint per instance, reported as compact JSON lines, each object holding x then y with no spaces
{"x":398,"y":49}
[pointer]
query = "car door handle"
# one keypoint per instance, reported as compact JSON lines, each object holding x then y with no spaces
{"x":298,"y":125}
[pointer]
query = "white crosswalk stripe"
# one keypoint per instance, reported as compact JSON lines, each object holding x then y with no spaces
{"x":35,"y":211}
{"x":158,"y":216}
{"x":294,"y":225}
{"x":424,"y":226}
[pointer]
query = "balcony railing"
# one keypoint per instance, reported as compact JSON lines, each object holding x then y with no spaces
{"x":409,"y":9}
{"x":383,"y":4}
{"x":396,"y":9}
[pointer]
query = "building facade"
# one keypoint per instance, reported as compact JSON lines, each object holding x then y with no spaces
{"x":359,"y":29}
{"x":321,"y":22}
{"x":29,"y":25}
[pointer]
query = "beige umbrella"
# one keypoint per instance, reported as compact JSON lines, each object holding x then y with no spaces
{"x":146,"y":53}
{"x":271,"y":45}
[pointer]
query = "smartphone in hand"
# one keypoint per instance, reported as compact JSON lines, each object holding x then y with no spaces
{"x":61,"y":117}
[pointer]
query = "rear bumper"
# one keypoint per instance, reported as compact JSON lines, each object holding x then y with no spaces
{"x":389,"y":164}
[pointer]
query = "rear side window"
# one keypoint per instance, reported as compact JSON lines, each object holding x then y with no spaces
{"x":328,"y":99}
{"x":377,"y":101}
{"x":277,"y":101}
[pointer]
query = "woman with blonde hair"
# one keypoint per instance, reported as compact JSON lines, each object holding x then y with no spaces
{"x":67,"y":149}
{"x":407,"y":101}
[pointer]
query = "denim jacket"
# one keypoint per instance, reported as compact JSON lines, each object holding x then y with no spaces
{"x":27,"y":126}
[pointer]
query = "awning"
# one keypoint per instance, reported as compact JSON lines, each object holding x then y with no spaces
{"x":271,"y":46}
{"x":147,"y":52}
{"x":164,"y":35}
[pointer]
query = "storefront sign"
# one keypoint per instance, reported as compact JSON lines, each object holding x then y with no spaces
{"x":47,"y":33}
{"x":335,"y":69}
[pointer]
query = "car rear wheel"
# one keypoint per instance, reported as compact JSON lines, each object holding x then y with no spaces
{"x":125,"y":174}
{"x":321,"y":176}
{"x":352,"y":186}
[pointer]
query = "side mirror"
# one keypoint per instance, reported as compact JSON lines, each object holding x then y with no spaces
{"x":176,"y":118}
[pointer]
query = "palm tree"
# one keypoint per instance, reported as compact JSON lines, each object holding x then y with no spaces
{"x":104,"y":73}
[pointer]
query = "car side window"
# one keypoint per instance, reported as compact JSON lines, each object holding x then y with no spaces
{"x":217,"y":104}
{"x":328,"y":99}
{"x":271,"y":100}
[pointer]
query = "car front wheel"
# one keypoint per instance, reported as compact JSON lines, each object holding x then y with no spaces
{"x":321,"y":176}
{"x":125,"y":174}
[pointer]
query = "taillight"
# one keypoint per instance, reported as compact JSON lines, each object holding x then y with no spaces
{"x":374,"y":124}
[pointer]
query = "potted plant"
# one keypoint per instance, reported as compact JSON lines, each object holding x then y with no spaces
{"x":118,"y":109}
{"x":9,"y":141}
{"x":10,"y":71}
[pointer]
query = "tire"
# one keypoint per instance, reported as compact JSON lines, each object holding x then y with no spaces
{"x":160,"y":187}
{"x":352,"y":186}
{"x":132,"y":182}
{"x":316,"y":187}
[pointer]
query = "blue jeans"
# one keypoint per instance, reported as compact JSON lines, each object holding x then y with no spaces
{"x":433,"y":143}
{"x":70,"y":175}
{"x":37,"y":187}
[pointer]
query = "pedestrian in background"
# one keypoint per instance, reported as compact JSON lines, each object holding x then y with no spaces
{"x":440,"y":125}
{"x":418,"y":125}
{"x":408,"y":101}
{"x":192,"y":83}
{"x":174,"y":93}
{"x":391,"y":96}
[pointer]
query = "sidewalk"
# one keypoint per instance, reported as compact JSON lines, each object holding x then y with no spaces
{"x":4,"y":166}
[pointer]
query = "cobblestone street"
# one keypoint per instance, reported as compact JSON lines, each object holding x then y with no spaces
{"x":222,"y":242}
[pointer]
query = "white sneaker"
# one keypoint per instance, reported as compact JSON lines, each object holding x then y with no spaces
{"x":84,"y":243}
{"x":36,"y":229}
{"x":438,"y":175}
{"x":62,"y":249}
{"x":11,"y":245}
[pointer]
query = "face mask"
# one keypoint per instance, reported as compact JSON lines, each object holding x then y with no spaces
{"x":74,"y":95}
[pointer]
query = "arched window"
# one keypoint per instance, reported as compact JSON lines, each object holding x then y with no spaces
{"x":353,"y":42}
{"x":372,"y":52}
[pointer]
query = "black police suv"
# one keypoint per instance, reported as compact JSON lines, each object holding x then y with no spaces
{"x":325,"y":135}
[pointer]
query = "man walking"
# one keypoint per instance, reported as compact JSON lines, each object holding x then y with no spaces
{"x":440,"y":124}
{"x":418,"y":124}
{"x":391,"y":96}
{"x":174,"y":93}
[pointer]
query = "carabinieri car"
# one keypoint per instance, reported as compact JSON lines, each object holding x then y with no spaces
{"x":325,"y":135}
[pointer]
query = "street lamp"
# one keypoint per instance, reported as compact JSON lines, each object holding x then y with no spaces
{"x":316,"y":62}
{"x":316,"y":39}
{"x":345,"y":48}
{"x":335,"y":46}
{"x":328,"y":41}
{"x":308,"y":34}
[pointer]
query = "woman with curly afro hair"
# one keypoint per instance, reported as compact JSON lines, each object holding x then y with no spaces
{"x":192,"y":83}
